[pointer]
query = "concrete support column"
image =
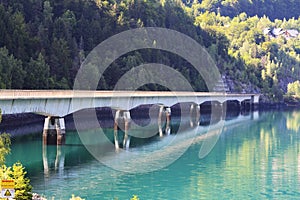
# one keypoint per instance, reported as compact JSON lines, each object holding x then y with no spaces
{"x":168,"y":117}
{"x":127,"y":120}
{"x":122,"y":118}
{"x":61,"y":131}
{"x":254,"y":102}
{"x":54,"y":131}
{"x":160,"y":116}
{"x":116,"y":125}
{"x":194,"y":115}
{"x":164,"y":115}
{"x":48,"y":127}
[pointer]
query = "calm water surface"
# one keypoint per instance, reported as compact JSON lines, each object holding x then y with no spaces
{"x":253,"y":159}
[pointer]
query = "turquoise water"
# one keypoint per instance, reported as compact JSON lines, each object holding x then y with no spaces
{"x":254,"y":158}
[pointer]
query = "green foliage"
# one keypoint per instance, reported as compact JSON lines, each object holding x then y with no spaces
{"x":54,"y":37}
{"x":43,"y":43}
{"x":273,"y":8}
{"x":4,"y":147}
{"x":22,"y":183}
{"x":11,"y":71}
{"x":4,"y":144}
{"x":293,"y":89}
{"x":261,"y":62}
{"x":16,"y":172}
{"x":37,"y":74}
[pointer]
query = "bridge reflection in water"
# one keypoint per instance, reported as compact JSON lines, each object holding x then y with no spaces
{"x":196,"y":124}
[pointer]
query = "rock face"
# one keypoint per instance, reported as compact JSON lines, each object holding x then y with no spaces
{"x":238,"y":87}
{"x":221,"y":86}
{"x":233,"y":86}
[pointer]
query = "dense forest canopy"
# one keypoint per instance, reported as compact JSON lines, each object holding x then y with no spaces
{"x":274,"y":9}
{"x":255,"y":43}
{"x":43,"y":43}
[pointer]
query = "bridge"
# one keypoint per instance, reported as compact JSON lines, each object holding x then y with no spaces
{"x":56,"y":104}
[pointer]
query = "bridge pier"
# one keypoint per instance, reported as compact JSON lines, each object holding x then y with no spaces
{"x":122,"y":118}
{"x":168,"y":118}
{"x":164,"y":115}
{"x":54,"y":131}
{"x":194,"y":115}
{"x":254,"y":102}
{"x":116,"y":128}
{"x":159,"y":122}
{"x":127,"y":119}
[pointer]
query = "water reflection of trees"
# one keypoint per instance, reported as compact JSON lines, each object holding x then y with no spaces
{"x":279,"y":151}
{"x":292,"y":121}
{"x":255,"y":159}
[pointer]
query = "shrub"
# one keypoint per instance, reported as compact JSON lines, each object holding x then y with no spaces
{"x":16,"y":172}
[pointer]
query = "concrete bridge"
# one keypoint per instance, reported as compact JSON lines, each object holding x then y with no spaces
{"x":55,"y":104}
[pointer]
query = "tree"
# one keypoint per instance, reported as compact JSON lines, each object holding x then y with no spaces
{"x":4,"y":147}
{"x":65,"y":31}
{"x":60,"y":61}
{"x":11,"y":71}
{"x":37,"y":74}
{"x":293,"y":89}
{"x":16,"y":172}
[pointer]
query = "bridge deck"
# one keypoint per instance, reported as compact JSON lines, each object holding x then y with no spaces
{"x":63,"y":94}
{"x":64,"y":102}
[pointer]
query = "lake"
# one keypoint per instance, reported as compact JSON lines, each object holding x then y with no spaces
{"x":256,"y":156}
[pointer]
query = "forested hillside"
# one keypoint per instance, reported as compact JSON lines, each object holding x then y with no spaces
{"x":263,"y":52}
{"x":43,"y":43}
{"x":274,"y":9}
{"x":254,"y":42}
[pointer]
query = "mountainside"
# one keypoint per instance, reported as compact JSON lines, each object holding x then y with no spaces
{"x":266,"y":53}
{"x":256,"y":48}
{"x":274,"y":9}
{"x":44,"y":42}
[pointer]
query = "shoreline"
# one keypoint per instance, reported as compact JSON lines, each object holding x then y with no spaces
{"x":269,"y":106}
